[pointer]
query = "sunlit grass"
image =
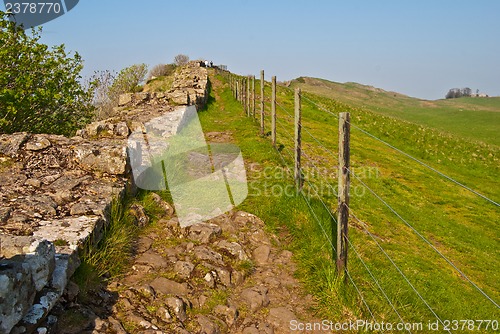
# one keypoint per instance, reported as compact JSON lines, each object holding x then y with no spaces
{"x":459,"y":224}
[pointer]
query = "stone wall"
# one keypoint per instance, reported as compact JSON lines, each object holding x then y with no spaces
{"x":55,"y":195}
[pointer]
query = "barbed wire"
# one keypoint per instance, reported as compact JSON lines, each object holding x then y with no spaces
{"x":317,"y":168}
{"x":399,"y":216}
{"x":290,"y":116}
{"x":376,"y":282}
{"x":285,"y":131}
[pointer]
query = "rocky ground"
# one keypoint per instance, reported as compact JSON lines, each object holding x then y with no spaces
{"x":223,"y":276}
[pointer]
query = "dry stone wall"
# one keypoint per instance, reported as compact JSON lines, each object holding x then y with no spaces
{"x":55,"y":194}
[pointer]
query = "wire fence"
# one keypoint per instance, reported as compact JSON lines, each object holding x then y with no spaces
{"x":285,"y":123}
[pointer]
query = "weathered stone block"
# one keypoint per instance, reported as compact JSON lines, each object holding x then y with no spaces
{"x":178,"y":97}
{"x":41,"y":260}
{"x":11,"y":144}
{"x":11,"y":246}
{"x":125,"y":99}
{"x":104,"y":159}
{"x":121,"y":130}
{"x":37,"y":143}
{"x":17,"y":293}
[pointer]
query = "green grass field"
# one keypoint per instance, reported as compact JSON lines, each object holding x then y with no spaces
{"x":462,"y":226}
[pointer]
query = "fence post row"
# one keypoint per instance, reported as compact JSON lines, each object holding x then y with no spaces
{"x":234,"y":86}
{"x":246,"y":96}
{"x":242,"y":100}
{"x":343,"y":191}
{"x":239,"y":89}
{"x":242,"y":90}
{"x":298,"y":140}
{"x":273,"y":111}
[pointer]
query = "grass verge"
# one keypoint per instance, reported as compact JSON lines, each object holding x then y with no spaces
{"x":111,"y":256}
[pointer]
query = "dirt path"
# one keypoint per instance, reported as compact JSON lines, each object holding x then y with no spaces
{"x":226,"y":275}
{"x":223,"y":276}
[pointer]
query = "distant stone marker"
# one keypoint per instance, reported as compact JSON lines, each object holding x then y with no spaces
{"x":29,"y":14}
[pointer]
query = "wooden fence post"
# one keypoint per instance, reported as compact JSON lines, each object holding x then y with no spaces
{"x":244,"y":93}
{"x":242,"y":89}
{"x":298,"y":140}
{"x":262,"y":83}
{"x":343,"y":191}
{"x":237,"y":89}
{"x":253,"y":96}
{"x":248,"y":96}
{"x":273,"y":112}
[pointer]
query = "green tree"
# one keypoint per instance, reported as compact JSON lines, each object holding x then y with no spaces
{"x":40,"y":89}
{"x":129,"y":80}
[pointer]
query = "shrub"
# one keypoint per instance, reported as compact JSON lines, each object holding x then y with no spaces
{"x":161,"y":70}
{"x":108,"y":86}
{"x":101,"y":99}
{"x":181,"y":59}
{"x":40,"y":89}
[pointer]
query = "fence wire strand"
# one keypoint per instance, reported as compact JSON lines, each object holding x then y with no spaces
{"x":424,"y":238}
{"x":290,"y":116}
{"x":375,"y":280}
{"x":400,"y":217}
{"x":449,"y":178}
{"x":331,"y":243}
{"x":399,"y":270}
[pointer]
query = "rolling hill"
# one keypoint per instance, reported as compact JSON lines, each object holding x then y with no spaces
{"x":477,"y":119}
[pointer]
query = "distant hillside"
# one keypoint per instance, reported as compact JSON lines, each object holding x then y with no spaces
{"x":473,"y":118}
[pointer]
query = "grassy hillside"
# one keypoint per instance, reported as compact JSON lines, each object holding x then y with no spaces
{"x":476,"y":119}
{"x":463,"y":227}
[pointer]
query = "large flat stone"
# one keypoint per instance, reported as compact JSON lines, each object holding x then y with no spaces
{"x":74,"y":231}
{"x":152,"y":259}
{"x":169,"y":287}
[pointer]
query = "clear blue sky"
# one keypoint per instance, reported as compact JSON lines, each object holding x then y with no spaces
{"x":420,"y":48}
